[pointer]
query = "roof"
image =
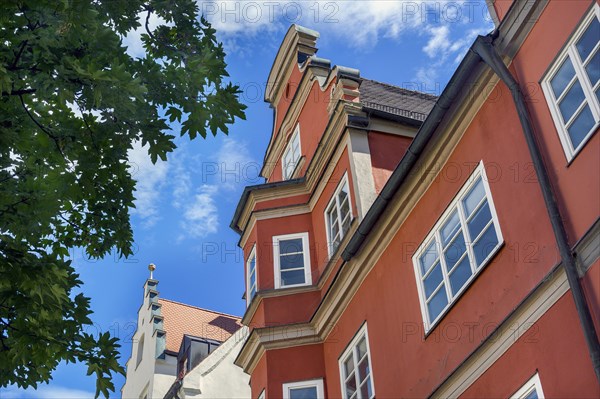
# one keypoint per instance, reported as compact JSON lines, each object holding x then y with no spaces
{"x":395,"y":100}
{"x":181,"y":319}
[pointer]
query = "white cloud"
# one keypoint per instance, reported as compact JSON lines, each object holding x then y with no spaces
{"x":150,"y":179}
{"x":230,"y":168}
{"x":444,"y":51}
{"x":45,"y":392}
{"x":439,"y":41}
{"x":359,"y":23}
{"x":201,"y":216}
{"x":235,"y":166}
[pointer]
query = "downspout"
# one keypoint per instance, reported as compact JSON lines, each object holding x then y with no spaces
{"x":485,"y":49}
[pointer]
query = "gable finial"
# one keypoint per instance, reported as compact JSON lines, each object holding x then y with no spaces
{"x":152,"y":268}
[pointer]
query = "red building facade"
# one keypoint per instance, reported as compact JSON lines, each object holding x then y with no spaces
{"x":405,"y":245}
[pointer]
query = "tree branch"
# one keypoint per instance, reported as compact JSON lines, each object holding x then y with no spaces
{"x":148,"y":23}
{"x":18,"y":56}
{"x":86,"y":124}
{"x":42,"y":128}
{"x":18,"y":92}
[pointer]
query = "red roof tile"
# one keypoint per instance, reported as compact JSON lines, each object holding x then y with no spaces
{"x":180,"y":319}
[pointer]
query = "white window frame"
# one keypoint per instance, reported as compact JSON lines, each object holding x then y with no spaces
{"x":288,"y":148}
{"x":534,"y":384}
{"x":570,"y":51}
{"x":262,"y":394}
{"x":317,"y":383}
{"x":434,"y":236}
{"x":350,"y":349}
{"x":249,"y":295}
{"x":305,"y":254}
{"x":334,"y":202}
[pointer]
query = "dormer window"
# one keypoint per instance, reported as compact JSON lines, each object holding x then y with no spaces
{"x":291,"y":155}
{"x":192,"y":351}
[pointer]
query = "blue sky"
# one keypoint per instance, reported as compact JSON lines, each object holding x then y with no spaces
{"x":185,"y":205}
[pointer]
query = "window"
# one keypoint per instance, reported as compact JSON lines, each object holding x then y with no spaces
{"x":338,"y":216}
{"x":355,"y":368}
{"x":531,"y":390}
{"x":459,"y":245}
{"x":572,"y":86}
{"x":312,"y":389}
{"x":291,"y":260}
{"x":140,"y":351}
{"x":251,"y":276}
{"x":291,"y":155}
{"x":262,"y":395}
{"x":192,"y":351}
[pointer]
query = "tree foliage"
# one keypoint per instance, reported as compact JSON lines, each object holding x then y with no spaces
{"x":73,"y":103}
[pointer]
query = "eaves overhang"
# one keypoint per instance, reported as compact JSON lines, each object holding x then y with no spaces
{"x":248,"y":190}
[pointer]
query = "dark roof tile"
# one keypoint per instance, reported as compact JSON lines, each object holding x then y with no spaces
{"x":395,"y":100}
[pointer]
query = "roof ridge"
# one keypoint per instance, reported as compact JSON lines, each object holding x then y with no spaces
{"x":199,"y":308}
{"x":431,"y":96}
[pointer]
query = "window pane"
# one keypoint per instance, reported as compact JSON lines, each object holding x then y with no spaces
{"x":437,"y":304}
{"x":344,"y":206}
{"x":531,"y":395}
{"x":562,"y":78}
{"x":346,"y":224}
{"x":303,"y":393}
{"x":349,"y":366}
{"x":333,"y":217}
{"x":350,"y":386}
{"x":335,"y":244}
{"x":593,"y":69}
{"x":291,"y":261}
{"x":450,"y":228}
{"x":343,"y":194}
{"x":290,"y":246}
{"x":365,"y":389}
{"x":292,"y":277}
{"x":429,"y":256}
{"x":362,"y":348}
{"x":588,"y":41}
{"x":479,"y":220}
{"x":433,"y":280}
{"x":473,"y":198}
{"x":581,"y":126}
{"x":571,"y":101}
{"x":486,"y":243}
{"x":460,"y":275}
{"x":252,"y":278}
{"x":363,"y":369}
{"x":454,"y":251}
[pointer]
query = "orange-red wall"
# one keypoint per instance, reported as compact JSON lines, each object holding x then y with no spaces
{"x":553,"y":347}
{"x":386,"y":152}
